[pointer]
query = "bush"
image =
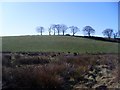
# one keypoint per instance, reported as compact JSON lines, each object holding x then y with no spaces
{"x":32,"y":77}
{"x":67,"y":35}
{"x":32,"y":60}
{"x":53,"y":73}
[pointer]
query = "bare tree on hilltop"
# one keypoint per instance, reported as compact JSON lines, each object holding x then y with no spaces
{"x":74,"y":29}
{"x":49,"y":30}
{"x":115,"y":34}
{"x":40,"y":29}
{"x":108,"y":33}
{"x":118,"y":33}
{"x":63,"y":28}
{"x":58,"y":28}
{"x":88,"y":30}
{"x":53,"y":27}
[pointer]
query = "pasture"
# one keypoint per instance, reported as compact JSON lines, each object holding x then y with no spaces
{"x":56,"y":44}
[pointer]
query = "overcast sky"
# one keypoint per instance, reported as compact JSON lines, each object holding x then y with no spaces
{"x":22,"y":18}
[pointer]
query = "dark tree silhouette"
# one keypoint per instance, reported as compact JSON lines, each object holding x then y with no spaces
{"x":40,"y":29}
{"x":58,"y":28}
{"x":115,"y":34}
{"x":88,"y":30}
{"x":49,"y":30}
{"x":118,"y":33}
{"x":108,"y":33}
{"x":53,"y":27}
{"x":74,"y":29}
{"x":63,"y":28}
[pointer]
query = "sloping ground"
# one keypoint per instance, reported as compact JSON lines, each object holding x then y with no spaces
{"x":56,"y":44}
{"x":60,"y":71}
{"x":100,"y":77}
{"x":117,"y":40}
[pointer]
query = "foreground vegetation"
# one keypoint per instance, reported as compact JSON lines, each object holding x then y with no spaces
{"x":59,"y":71}
{"x":57,"y":44}
{"x":59,"y":63}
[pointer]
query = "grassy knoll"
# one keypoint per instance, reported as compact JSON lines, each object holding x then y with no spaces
{"x":56,"y":44}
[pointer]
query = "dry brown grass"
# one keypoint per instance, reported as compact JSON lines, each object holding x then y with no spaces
{"x":55,"y":73}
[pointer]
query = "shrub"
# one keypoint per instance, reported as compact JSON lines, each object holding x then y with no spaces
{"x":6,"y":60}
{"x":32,"y":60}
{"x":67,"y":35}
{"x":32,"y":77}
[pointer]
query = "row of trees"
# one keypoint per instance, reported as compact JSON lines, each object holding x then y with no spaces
{"x":88,"y":30}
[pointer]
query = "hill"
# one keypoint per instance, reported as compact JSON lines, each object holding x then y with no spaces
{"x":56,"y":44}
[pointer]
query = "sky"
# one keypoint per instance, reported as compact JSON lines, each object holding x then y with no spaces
{"x":22,"y":18}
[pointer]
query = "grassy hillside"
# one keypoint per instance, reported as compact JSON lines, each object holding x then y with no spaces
{"x":56,"y":44}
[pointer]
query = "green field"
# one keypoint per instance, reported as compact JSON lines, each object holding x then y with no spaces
{"x":56,"y":44}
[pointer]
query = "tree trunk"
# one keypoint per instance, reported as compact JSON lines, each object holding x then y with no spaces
{"x":54,"y":32}
{"x":88,"y":34}
{"x":73,"y":34}
{"x":41,"y":32}
{"x":63,"y":33}
{"x":58,"y":32}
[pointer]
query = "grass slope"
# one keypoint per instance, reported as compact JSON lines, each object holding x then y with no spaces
{"x":56,"y":44}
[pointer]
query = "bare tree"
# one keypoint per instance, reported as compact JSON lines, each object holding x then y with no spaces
{"x":108,"y":33}
{"x":88,"y":30}
{"x":63,"y":28}
{"x":115,"y":34}
{"x":118,"y":33}
{"x":53,"y":27}
{"x":40,"y":29}
{"x":58,"y":28}
{"x":74,"y":29}
{"x":49,"y":30}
